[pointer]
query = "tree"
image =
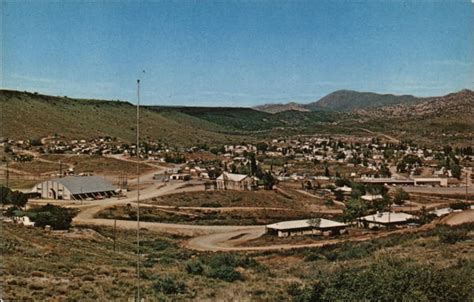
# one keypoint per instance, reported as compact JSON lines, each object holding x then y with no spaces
{"x":18,"y":199}
{"x":314,"y":222}
{"x":262,"y":147}
{"x":354,"y":208}
{"x":5,"y":195}
{"x":400,"y":196}
{"x":456,"y":171}
{"x":326,"y":172}
{"x":268,"y":180}
{"x":382,"y":204}
{"x":338,"y":195}
{"x":253,"y":164}
{"x":341,"y":182}
{"x":59,"y":218}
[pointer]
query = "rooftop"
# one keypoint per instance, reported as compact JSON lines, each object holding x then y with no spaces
{"x":304,"y":223}
{"x":388,"y":217}
{"x":232,"y":176}
{"x":85,"y":184}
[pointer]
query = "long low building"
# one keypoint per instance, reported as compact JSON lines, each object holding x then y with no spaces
{"x":386,"y":219}
{"x":317,"y":226}
{"x":415,"y":181}
{"x":75,"y":188}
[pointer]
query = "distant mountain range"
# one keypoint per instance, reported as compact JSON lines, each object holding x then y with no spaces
{"x":452,"y":105}
{"x":434,"y":120}
{"x":343,"y":101}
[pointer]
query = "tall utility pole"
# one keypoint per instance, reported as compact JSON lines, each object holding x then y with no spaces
{"x":467,"y":178}
{"x":8,"y":174}
{"x":138,"y":190}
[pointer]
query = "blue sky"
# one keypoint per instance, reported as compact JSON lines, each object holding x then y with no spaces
{"x":236,"y":53}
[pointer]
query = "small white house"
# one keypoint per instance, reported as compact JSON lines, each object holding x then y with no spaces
{"x":370,"y":197}
{"x":231,"y":181}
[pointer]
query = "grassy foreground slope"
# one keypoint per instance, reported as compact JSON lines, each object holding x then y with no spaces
{"x":81,"y":265}
{"x":27,"y":115}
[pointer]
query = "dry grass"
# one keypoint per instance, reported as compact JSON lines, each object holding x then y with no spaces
{"x":36,"y":167}
{"x":229,"y":198}
{"x":210,"y":216}
{"x":82,"y":265}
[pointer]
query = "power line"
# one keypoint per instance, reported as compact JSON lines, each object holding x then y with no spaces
{"x":138,"y":190}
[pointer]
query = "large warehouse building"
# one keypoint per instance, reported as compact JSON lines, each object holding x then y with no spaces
{"x":75,"y":188}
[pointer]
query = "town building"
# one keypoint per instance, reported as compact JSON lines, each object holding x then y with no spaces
{"x":386,"y":219}
{"x":317,"y":226}
{"x":231,"y":181}
{"x":75,"y":188}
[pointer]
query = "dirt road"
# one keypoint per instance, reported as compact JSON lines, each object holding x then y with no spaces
{"x":459,"y":218}
{"x":230,"y":241}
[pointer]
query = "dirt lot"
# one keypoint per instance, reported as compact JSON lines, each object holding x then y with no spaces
{"x":260,"y":198}
{"x":205,"y":216}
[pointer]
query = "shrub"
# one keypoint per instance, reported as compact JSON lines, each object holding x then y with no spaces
{"x":388,"y":279}
{"x":222,"y":266}
{"x":328,"y":202}
{"x":459,"y":206}
{"x":451,"y":236}
{"x":194,"y":267}
{"x":294,"y":289}
{"x":169,"y":285}
{"x":59,"y":218}
{"x":226,"y":273}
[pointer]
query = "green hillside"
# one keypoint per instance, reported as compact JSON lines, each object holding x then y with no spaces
{"x":348,"y":100}
{"x":27,"y":115}
{"x":250,"y":121}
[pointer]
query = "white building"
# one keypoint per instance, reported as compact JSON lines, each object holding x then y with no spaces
{"x":231,"y":181}
{"x":386,"y":219}
{"x":319,"y":226}
{"x":75,"y":188}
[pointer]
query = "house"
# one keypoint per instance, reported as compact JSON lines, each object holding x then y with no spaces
{"x":75,"y":188}
{"x":430,"y":181}
{"x":370,"y":197}
{"x":345,"y":189}
{"x":386,"y":219}
{"x":231,"y":181}
{"x":319,"y":226}
{"x":180,"y":176}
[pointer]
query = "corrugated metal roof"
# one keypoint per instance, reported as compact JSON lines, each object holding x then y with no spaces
{"x":85,"y":184}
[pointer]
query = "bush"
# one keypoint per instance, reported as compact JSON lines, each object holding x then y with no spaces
{"x":226,"y":273}
{"x":57,"y":217}
{"x":451,"y":236}
{"x":222,"y":266}
{"x":328,"y":202}
{"x":194,"y":267}
{"x":169,"y":285}
{"x":392,"y":279}
{"x":459,"y":206}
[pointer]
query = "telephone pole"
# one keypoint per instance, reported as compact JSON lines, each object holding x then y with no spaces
{"x":138,"y":190}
